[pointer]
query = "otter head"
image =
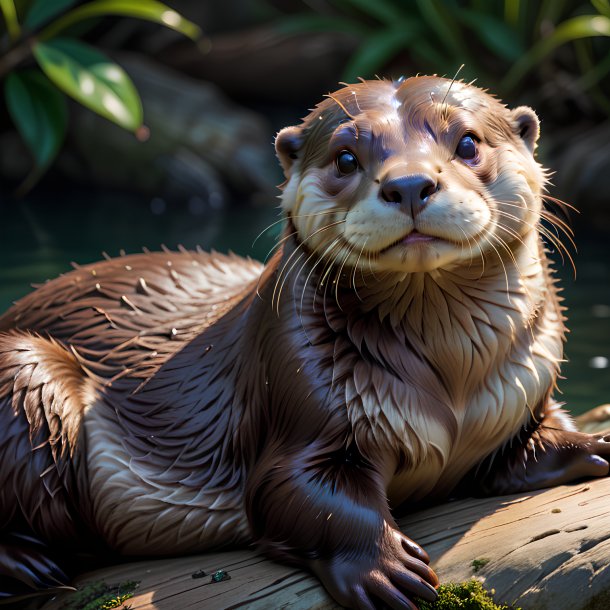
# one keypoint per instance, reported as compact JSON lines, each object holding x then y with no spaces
{"x":411,"y":176}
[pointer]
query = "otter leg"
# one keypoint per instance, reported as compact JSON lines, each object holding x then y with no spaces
{"x":549,"y":453}
{"x":330,"y":512}
{"x":26,"y":565}
{"x":43,"y":491}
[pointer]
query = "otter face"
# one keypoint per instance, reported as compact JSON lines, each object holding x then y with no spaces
{"x":412,"y":176}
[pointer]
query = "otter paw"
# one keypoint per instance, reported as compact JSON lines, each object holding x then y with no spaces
{"x":392,"y":574}
{"x":579,"y":455}
{"x":598,"y":453}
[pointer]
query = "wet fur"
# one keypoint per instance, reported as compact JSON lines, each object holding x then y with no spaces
{"x":177,"y":402}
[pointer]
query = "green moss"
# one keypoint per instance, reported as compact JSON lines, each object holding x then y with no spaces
{"x":100,"y":596}
{"x":468,"y":595}
{"x":477,"y":564}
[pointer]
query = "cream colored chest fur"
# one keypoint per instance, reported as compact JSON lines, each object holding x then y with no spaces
{"x":470,"y":375}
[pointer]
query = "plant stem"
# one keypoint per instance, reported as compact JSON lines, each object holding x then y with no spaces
{"x":15,"y":56}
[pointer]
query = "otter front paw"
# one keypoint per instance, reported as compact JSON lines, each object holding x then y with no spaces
{"x":570,"y":456}
{"x":392,"y":573}
{"x":550,"y":457}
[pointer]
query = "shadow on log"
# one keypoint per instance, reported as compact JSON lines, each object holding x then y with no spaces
{"x":540,"y":551}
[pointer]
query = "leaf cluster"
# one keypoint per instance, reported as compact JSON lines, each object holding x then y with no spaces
{"x":42,"y":30}
{"x":496,"y":39}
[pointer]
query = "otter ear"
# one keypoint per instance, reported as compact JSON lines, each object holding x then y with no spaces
{"x":288,"y":143}
{"x":527,"y":126}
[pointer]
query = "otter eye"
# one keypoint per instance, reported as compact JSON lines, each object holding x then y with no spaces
{"x":466,"y":148}
{"x":346,"y":162}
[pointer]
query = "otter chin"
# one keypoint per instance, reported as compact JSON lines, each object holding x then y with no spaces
{"x":403,"y":344}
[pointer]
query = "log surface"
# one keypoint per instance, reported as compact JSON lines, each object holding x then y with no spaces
{"x":541,"y":551}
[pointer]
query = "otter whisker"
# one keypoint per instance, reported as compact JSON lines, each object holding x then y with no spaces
{"x":290,"y":217}
{"x":278,"y":244}
{"x":486,"y":236}
{"x":559,"y":202}
{"x":516,"y":236}
{"x":528,"y":294}
{"x":334,"y":99}
{"x":552,"y":216}
{"x":506,"y":247}
{"x":295,"y":232}
{"x":286,"y":276}
{"x":354,"y":271}
{"x":304,"y":289}
{"x":338,"y":276}
{"x":326,"y":274}
{"x":444,"y":105}
{"x":320,"y":283}
{"x":542,"y":230}
{"x":300,"y":245}
{"x":553,"y":220}
{"x":469,"y":242}
{"x":538,"y":227}
{"x":320,"y":259}
{"x":554,"y":239}
{"x":568,"y":233}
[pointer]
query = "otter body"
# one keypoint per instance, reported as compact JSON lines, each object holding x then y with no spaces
{"x":403,"y":344}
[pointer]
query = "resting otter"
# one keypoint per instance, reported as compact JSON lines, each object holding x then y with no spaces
{"x":403,"y":343}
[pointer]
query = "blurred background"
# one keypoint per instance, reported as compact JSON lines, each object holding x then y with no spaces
{"x":130,"y":123}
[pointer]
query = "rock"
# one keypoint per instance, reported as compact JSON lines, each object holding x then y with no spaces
{"x":200,"y":142}
{"x":268,"y":64}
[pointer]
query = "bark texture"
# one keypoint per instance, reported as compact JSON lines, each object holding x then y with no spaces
{"x":541,"y":551}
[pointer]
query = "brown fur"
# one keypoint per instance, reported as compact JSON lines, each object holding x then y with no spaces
{"x":176,"y":402}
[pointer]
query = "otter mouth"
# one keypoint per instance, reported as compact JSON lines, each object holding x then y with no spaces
{"x":413,"y":238}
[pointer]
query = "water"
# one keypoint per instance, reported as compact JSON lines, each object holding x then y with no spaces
{"x":39,"y":238}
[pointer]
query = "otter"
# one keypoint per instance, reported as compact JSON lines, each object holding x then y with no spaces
{"x":402,"y":345}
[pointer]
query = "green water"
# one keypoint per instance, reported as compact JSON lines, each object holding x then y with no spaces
{"x":39,"y":239}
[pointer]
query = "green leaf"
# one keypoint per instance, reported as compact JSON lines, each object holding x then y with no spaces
{"x":602,"y":6}
{"x":39,"y":112}
{"x":495,"y":34}
{"x":381,"y":10}
{"x":92,"y":79}
{"x":10,"y":17}
{"x":594,"y":74}
{"x":444,"y":25}
{"x":584,"y":26}
{"x":512,"y":8}
{"x":430,"y":58}
{"x":149,"y":10}
{"x":377,"y":50}
{"x":42,"y":11}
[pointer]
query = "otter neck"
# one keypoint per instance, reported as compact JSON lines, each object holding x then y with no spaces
{"x":424,"y":356}
{"x":515,"y":281}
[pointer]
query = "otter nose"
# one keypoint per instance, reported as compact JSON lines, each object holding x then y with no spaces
{"x":411,"y":192}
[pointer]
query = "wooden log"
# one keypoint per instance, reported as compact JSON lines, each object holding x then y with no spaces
{"x":544,"y":550}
